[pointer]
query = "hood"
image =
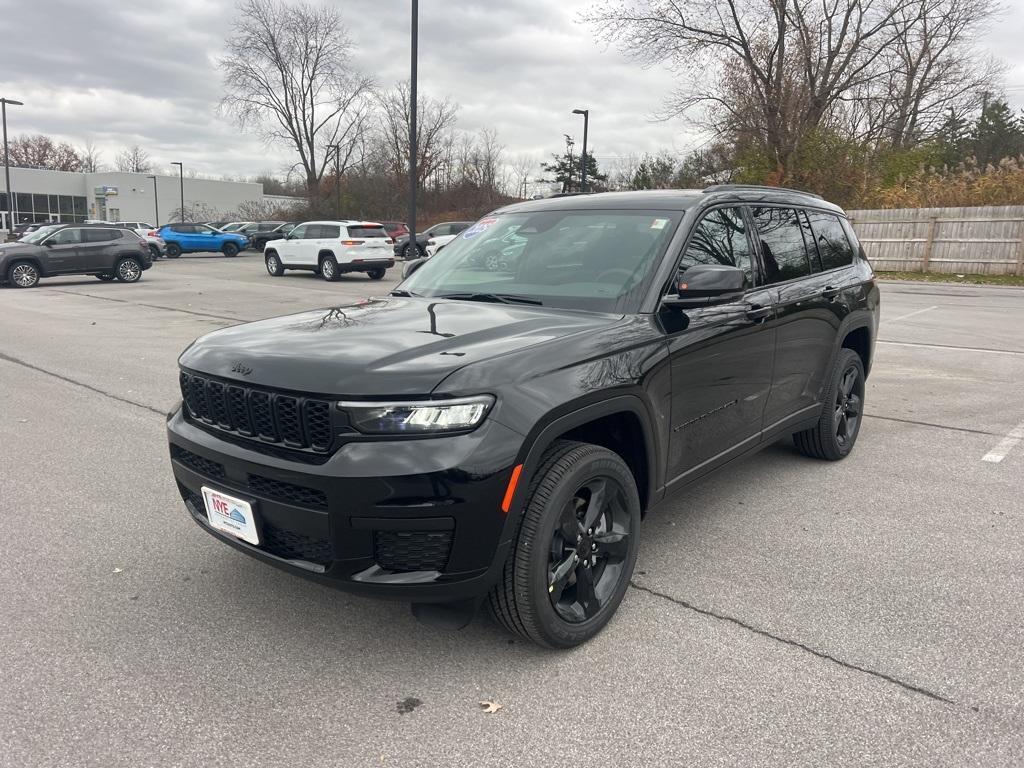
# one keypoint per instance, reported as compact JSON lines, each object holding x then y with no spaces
{"x":18,"y":249}
{"x":383,"y":346}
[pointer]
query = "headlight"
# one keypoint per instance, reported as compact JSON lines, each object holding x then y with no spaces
{"x":418,"y":417}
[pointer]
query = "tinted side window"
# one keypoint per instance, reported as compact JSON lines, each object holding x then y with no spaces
{"x":299,"y":233}
{"x":782,"y":244}
{"x":100,"y":235}
{"x":65,"y":237}
{"x":833,"y":245}
{"x":721,"y":237}
{"x":441,"y":230}
{"x":329,"y":232}
{"x":456,"y":228}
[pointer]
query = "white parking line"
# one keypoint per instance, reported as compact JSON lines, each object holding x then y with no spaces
{"x":912,"y":314}
{"x":1005,"y":445}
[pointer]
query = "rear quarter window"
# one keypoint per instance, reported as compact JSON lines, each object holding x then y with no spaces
{"x":101,"y":235}
{"x":834,"y":246}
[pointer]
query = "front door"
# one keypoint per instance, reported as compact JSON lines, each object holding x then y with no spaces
{"x":288,"y":247}
{"x":62,"y":250}
{"x":721,"y":357}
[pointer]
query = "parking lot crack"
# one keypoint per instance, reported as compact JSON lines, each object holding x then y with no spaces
{"x":36,"y":368}
{"x":793,"y":644}
{"x":151,"y":306}
{"x":930,"y":424}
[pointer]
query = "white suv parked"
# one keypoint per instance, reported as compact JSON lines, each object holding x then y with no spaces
{"x":332,"y":248}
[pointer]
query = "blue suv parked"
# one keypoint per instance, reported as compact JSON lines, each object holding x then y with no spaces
{"x":194,"y":238}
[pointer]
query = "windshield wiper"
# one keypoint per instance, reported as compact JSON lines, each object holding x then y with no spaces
{"x":403,"y":293}
{"x":497,"y":298}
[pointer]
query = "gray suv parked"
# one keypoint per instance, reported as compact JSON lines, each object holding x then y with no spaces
{"x":75,"y":249}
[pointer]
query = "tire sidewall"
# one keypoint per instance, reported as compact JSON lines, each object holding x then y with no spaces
{"x":277,"y":270}
{"x":845,"y":359}
{"x":10,"y":274}
{"x":230,"y":250}
{"x":331,"y":273}
{"x":533,"y":581}
{"x":173,"y":250}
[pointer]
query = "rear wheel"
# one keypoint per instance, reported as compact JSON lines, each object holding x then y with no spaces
{"x":329,"y":268}
{"x":833,"y":437}
{"x":577,"y":544}
{"x":173,"y":250}
{"x":274,"y":264}
{"x":23,"y":274}
{"x":376,"y":274}
{"x":154,"y":251}
{"x":128,"y":270}
{"x":408,"y":253}
{"x":229,"y":249}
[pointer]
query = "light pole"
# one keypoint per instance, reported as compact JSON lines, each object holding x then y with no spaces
{"x":412,"y":132}
{"x":181,"y":184}
{"x":337,"y":174}
{"x":583,"y":157}
{"x":156,"y":202}
{"x":7,"y":162}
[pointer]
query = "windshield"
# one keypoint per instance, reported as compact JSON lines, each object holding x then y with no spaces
{"x":40,"y":234}
{"x":594,"y":260}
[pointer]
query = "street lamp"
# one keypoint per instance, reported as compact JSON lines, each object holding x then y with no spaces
{"x":181,"y":183}
{"x":156,"y":202}
{"x":7,"y":161}
{"x":583,"y":157}
{"x":412,"y":132}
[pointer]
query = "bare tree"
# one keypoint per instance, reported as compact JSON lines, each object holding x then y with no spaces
{"x":133,"y":160}
{"x":434,"y":140}
{"x":40,"y":151}
{"x":782,"y":69}
{"x":522,"y":169}
{"x":290,"y":77}
{"x":90,"y":158}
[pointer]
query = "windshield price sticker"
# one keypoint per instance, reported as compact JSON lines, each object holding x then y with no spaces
{"x":659,"y":223}
{"x":481,"y":226}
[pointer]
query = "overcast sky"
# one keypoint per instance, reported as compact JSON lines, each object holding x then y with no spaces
{"x":122,"y":72}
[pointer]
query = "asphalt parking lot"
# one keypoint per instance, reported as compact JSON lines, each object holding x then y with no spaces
{"x":787,"y":612}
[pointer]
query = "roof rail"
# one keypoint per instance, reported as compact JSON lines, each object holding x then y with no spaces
{"x":756,"y":188}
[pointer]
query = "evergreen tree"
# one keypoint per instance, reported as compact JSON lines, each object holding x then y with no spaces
{"x":566,"y":170}
{"x":998,"y":133}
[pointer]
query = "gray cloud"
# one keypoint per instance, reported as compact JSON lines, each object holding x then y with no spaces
{"x":144,"y":71}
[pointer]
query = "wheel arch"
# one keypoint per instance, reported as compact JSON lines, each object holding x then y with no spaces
{"x":856,"y":333}
{"x":34,"y":261}
{"x":622,"y":424}
{"x":323,"y":253}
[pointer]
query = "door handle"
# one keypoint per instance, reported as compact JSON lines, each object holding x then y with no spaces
{"x":757,"y":313}
{"x":830,"y":292}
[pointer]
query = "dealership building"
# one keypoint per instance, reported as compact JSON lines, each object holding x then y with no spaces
{"x":42,"y":195}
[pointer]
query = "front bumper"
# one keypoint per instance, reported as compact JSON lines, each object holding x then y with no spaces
{"x":416,"y":520}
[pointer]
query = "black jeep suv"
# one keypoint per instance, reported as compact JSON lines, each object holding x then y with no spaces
{"x":494,"y":431}
{"x":103,"y":250}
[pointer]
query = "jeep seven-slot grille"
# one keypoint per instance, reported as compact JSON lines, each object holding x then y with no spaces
{"x":299,"y":423}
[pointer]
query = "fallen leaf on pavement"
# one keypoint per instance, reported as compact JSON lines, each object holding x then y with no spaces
{"x":490,"y":707}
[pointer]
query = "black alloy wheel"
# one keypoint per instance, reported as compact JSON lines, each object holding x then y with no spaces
{"x":835,"y":434}
{"x":588,"y":549}
{"x":575,"y":549}
{"x":128,"y":270}
{"x":173,"y":250}
{"x":229,"y":249}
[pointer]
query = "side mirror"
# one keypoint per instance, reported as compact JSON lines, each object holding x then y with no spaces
{"x":412,"y":266}
{"x":706,"y":285}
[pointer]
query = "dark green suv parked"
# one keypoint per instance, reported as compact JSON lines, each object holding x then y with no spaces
{"x":102,"y":250}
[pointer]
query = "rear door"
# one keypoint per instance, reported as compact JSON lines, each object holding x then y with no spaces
{"x":97,"y":249}
{"x":721,"y":356}
{"x":62,"y":250}
{"x":804,"y":323}
{"x":366,"y":242}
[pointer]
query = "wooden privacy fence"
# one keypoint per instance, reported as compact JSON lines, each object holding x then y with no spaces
{"x":986,"y":241}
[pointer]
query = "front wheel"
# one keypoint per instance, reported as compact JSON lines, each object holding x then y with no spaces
{"x":833,"y":437}
{"x":128,"y":270}
{"x":23,"y":274}
{"x":173,"y":250}
{"x":574,"y":554}
{"x":376,"y":274}
{"x":274,"y":264}
{"x":229,"y":249}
